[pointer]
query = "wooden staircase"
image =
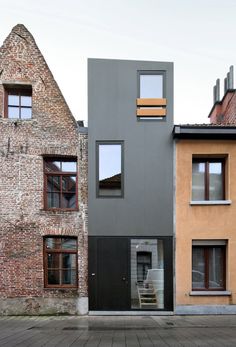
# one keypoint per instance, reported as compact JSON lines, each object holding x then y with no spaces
{"x":147,"y":295}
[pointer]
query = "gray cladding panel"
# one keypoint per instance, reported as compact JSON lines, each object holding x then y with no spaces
{"x":147,"y":206}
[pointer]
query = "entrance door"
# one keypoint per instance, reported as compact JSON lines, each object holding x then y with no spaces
{"x":109,"y":279}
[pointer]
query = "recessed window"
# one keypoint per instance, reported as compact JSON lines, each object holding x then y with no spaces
{"x":60,"y":185}
{"x":60,"y":262}
{"x":18,"y":103}
{"x":144,"y":263}
{"x":208,"y":179}
{"x":109,"y":166}
{"x":151,"y":85}
{"x":151,"y":100}
{"x":208,"y":268}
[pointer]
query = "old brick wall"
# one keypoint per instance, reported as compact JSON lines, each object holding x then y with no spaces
{"x":24,"y":221}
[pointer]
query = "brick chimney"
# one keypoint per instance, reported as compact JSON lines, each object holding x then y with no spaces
{"x":224,"y":111}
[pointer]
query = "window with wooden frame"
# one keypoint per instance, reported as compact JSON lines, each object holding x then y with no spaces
{"x":18,"y":102}
{"x":208,"y":267}
{"x":208,"y":179}
{"x":60,"y":184}
{"x":60,"y":262}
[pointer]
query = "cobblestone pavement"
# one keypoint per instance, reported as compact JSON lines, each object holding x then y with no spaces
{"x":146,"y":331}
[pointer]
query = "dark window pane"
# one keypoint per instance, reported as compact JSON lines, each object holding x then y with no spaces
{"x":69,"y":243}
{"x":198,"y":268}
{"x":53,"y":183}
{"x":110,"y":169}
{"x":53,"y":276}
{"x":69,"y":166}
{"x":68,"y":261}
{"x":216,"y":273}
{"x":53,"y":200}
{"x":215,"y":181}
{"x":13,"y":112}
{"x":53,"y":261}
{"x":69,"y":277}
{"x":68,"y":200}
{"x":26,"y":100}
{"x":68,"y":183}
{"x":198,"y":181}
{"x":13,"y":100}
{"x":151,"y":86}
{"x":26,"y":113}
{"x":53,"y":242}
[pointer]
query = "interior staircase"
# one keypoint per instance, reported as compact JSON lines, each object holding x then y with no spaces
{"x":147,"y":295}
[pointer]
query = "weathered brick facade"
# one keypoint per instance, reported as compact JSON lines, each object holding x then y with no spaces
{"x":224,"y":111}
{"x":24,"y":221}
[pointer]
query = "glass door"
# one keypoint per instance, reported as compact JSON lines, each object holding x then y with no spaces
{"x":147,"y":274}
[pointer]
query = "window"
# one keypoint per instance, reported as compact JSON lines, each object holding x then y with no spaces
{"x":208,"y":267}
{"x":208,"y":179}
{"x":151,"y":85}
{"x":144,"y":263}
{"x":109,"y":169}
{"x":18,"y":102}
{"x":60,"y":262}
{"x":60,"y":185}
{"x":151,"y":100}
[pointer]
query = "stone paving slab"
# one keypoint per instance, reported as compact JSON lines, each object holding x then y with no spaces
{"x":99,"y":331}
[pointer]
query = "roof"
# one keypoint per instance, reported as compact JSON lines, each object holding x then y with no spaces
{"x":205,"y":131}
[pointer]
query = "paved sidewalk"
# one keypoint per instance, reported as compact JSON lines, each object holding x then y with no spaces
{"x":146,"y":331}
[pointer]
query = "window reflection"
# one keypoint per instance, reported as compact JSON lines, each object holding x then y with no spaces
{"x":110,"y":178}
{"x":147,"y":274}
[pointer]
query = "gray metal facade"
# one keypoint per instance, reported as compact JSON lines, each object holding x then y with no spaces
{"x":146,"y":209}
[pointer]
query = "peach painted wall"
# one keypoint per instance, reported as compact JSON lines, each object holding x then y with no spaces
{"x":203,"y":222}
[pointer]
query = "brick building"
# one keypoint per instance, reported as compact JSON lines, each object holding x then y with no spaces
{"x":43,"y":188}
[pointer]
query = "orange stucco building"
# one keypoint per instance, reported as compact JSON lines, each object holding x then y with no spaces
{"x":205,"y":219}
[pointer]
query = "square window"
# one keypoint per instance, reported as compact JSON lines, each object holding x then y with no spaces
{"x":110,"y":169}
{"x":208,"y":179}
{"x":208,"y":267}
{"x":60,"y":262}
{"x":60,"y":184}
{"x":151,"y":85}
{"x":151,"y":100}
{"x":18,"y":102}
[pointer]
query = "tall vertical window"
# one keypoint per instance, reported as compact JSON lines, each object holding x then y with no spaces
{"x":110,"y":169}
{"x":208,"y":179}
{"x":144,"y":263}
{"x":60,"y":262}
{"x":208,"y":267}
{"x":60,"y":184}
{"x":18,"y":103}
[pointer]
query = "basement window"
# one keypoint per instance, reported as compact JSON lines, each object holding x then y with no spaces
{"x":18,"y":102}
{"x":60,"y":262}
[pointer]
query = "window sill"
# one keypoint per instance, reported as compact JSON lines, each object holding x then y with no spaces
{"x":210,"y":202}
{"x":210,"y":293}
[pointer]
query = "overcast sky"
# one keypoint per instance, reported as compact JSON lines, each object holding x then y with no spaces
{"x":198,"y":36}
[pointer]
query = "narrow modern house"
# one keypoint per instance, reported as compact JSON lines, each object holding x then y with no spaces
{"x":43,"y":188}
{"x":130,"y":147}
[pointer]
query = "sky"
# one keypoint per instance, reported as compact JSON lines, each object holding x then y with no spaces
{"x":198,"y":36}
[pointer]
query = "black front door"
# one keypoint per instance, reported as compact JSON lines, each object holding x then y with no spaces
{"x":109,"y":283}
